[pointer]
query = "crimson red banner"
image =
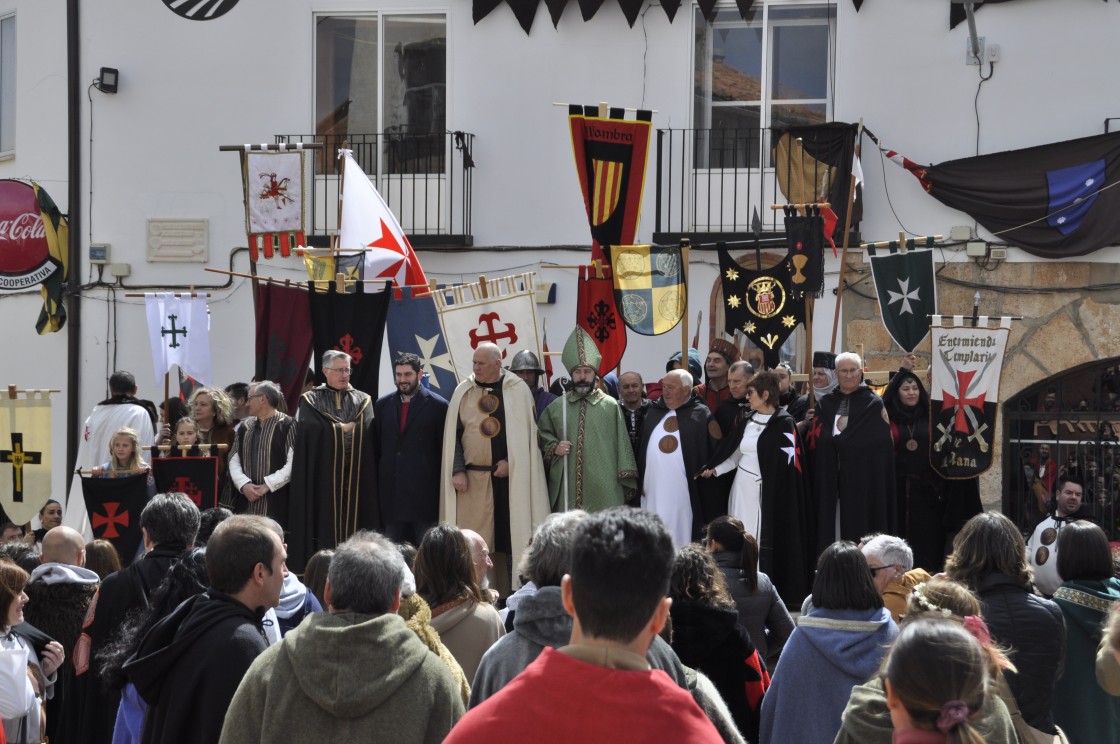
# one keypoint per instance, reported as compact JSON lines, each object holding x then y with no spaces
{"x":596,"y":314}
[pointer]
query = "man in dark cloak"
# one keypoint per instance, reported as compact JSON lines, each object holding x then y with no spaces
{"x":676,"y":442}
{"x":853,"y":459}
{"x":333,"y":492}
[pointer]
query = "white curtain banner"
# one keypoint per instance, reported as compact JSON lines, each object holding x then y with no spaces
{"x":25,"y":456}
{"x":179,"y":331}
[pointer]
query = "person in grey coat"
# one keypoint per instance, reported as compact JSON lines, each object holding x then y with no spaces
{"x":541,"y":621}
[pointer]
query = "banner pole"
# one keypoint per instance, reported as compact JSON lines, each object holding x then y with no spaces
{"x":684,"y":316}
{"x":844,"y":250}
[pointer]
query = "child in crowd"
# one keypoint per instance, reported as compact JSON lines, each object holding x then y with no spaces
{"x":186,"y":433}
{"x":936,"y":678}
{"x":124,"y":458}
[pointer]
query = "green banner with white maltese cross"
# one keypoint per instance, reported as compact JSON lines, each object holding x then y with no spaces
{"x":907,"y":291}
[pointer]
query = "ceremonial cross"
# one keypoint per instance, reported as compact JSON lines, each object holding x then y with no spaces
{"x":963,"y":381}
{"x":111,"y":518}
{"x":18,"y":458}
{"x":183,"y":484}
{"x":174,"y":332}
{"x":491,"y":334}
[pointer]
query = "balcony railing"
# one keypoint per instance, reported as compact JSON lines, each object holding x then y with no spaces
{"x":425,"y":179}
{"x":711,"y":182}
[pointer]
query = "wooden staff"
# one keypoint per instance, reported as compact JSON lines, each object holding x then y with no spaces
{"x":13,"y":391}
{"x":221,"y":447}
{"x":844,"y":251}
{"x":684,"y":323}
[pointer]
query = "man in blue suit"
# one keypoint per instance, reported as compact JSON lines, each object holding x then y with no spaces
{"x":409,"y":425}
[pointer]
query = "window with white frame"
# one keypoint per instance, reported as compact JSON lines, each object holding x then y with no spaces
{"x":772,"y":69}
{"x":380,"y":81}
{"x":7,"y":84}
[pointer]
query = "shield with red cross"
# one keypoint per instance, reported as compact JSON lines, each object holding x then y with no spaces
{"x":114,"y":506}
{"x":964,"y":395}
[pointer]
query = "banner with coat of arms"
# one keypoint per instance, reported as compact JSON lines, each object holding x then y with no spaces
{"x":611,"y":155}
{"x":967,"y":363}
{"x":505,"y":314}
{"x":25,"y":455}
{"x":274,"y":204}
{"x":762,"y":305}
{"x":649,"y":287}
{"x":906,"y":286}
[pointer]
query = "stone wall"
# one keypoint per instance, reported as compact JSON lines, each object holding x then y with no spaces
{"x":1070,"y":316}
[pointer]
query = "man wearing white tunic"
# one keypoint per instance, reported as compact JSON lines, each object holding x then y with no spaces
{"x":675,"y":443}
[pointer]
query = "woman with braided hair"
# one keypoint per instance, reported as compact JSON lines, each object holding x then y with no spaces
{"x":936,"y":679}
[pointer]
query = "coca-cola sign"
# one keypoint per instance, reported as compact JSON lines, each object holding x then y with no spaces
{"x":24,"y":253}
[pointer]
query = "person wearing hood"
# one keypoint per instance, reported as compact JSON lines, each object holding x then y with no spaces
{"x":823,"y":381}
{"x":837,"y":646}
{"x":930,"y":508}
{"x":59,"y":594}
{"x":353,"y":673}
{"x":189,"y":664}
{"x":588,"y":459}
{"x":1085,"y":712}
{"x":676,"y":442}
{"x":852,"y":458}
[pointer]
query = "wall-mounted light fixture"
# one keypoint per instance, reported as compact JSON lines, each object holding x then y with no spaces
{"x":107,"y":80}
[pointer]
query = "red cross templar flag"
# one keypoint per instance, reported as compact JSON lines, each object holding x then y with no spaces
{"x":967,"y":363}
{"x":25,"y":455}
{"x":368,"y":223}
{"x":179,"y":330}
{"x":506,"y":316}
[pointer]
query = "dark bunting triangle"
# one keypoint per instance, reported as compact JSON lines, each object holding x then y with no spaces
{"x":858,"y":4}
{"x":588,"y":8}
{"x":482,"y":8}
{"x":671,"y":7}
{"x":745,"y":7}
{"x":708,"y":8}
{"x":555,"y":9}
{"x":525,"y":10}
{"x":631,"y":9}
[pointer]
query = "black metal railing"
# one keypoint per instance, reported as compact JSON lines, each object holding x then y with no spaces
{"x":425,"y":178}
{"x":713,"y":181}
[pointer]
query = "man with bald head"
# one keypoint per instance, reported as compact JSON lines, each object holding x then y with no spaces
{"x":677,"y":439}
{"x":59,"y":594}
{"x":493,"y":475}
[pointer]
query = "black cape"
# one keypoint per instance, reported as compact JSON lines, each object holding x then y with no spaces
{"x":189,"y":665}
{"x":697,"y":444}
{"x":930,"y":509}
{"x":120,"y":593}
{"x":856,"y":465}
{"x":787,"y":553}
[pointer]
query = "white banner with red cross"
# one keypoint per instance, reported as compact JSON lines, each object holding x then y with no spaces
{"x":502,"y":311}
{"x":967,"y":363}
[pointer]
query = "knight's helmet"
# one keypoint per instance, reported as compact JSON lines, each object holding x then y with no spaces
{"x":526,"y":361}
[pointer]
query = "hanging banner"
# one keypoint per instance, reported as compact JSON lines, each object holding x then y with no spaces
{"x":964,"y":397}
{"x":611,"y":155}
{"x":283,"y":339}
{"x":323,"y":269}
{"x":25,"y":456}
{"x":506,"y":316}
{"x":414,"y":327}
{"x":274,"y":208}
{"x":816,"y":164}
{"x":805,"y":236}
{"x":760,"y":304}
{"x":179,"y":332}
{"x":649,"y":287}
{"x":352,"y":323}
{"x":596,"y":314}
{"x":114,"y":506}
{"x":196,"y":476}
{"x":906,"y":286}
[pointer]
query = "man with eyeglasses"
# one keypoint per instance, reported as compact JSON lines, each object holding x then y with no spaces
{"x":852,"y":459}
{"x":493,"y":476}
{"x":334,"y":470}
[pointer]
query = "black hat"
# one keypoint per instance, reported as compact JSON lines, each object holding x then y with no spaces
{"x":824,"y":359}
